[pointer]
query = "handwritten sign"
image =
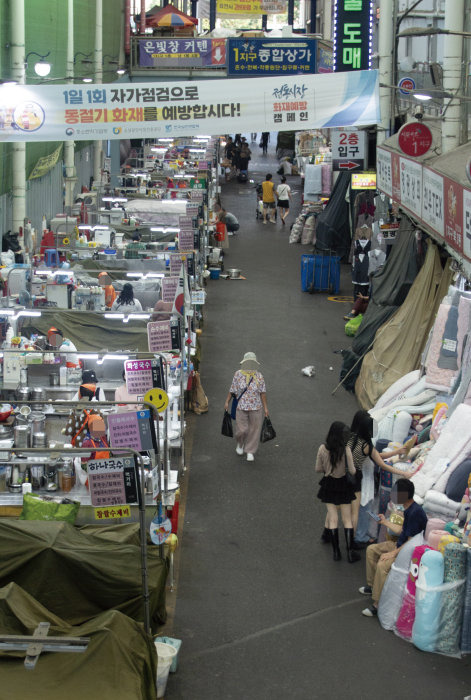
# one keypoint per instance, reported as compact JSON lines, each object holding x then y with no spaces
{"x":142,"y":375}
{"x":159,"y":336}
{"x":185,"y":239}
{"x":169,"y":288}
{"x":131,"y":429}
{"x":112,"y":513}
{"x":112,"y":481}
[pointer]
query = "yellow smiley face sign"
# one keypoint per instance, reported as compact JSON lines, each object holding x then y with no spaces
{"x":158,"y":398}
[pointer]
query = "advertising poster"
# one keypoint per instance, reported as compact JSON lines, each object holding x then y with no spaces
{"x":254,"y":56}
{"x":191,"y":52}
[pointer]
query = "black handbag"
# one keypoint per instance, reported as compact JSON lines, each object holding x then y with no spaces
{"x":227,"y":425}
{"x":268,"y":431}
{"x":235,"y":400}
{"x":351,"y":478}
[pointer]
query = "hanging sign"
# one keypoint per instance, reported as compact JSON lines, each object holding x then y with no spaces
{"x":160,"y":530}
{"x":191,"y":52}
{"x":348,"y":149}
{"x":468,"y":169}
{"x":405,"y":86}
{"x":112,"y":481}
{"x":131,"y":429}
{"x":415,"y":139}
{"x":158,"y":398}
{"x":254,"y":56}
{"x":353,"y":29}
{"x":45,"y":164}
{"x":254,"y":7}
{"x":169,"y":287}
{"x":151,"y":110}
{"x":186,"y":239}
{"x":159,"y":336}
{"x":433,"y":209}
{"x":142,"y":375}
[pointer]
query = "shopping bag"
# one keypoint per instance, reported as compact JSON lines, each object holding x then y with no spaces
{"x":352,"y":326}
{"x":234,"y":403}
{"x":268,"y":431}
{"x":227,"y":425}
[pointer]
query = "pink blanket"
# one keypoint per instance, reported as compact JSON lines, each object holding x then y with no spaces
{"x":438,"y":378}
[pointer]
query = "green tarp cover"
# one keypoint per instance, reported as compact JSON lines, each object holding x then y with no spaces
{"x":78,"y":575}
{"x":119,"y":664}
{"x":92,"y":332}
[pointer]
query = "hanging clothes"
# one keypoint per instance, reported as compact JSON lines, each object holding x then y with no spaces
{"x":360,"y":266}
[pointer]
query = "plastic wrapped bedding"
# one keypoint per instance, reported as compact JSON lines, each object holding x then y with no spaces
{"x":418,"y":403}
{"x":397,"y":389}
{"x":437,"y":378}
{"x":427,"y":601}
{"x":405,"y":619}
{"x":393,"y":590}
{"x":466,"y":630}
{"x":433,"y":524}
{"x":395,"y":426}
{"x":452,"y":446}
{"x":438,"y":504}
{"x":451,"y":611}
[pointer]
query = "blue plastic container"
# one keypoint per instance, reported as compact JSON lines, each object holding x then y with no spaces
{"x":320,"y":273}
{"x":214,"y":273}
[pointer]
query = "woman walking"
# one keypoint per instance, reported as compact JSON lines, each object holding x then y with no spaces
{"x":334,"y":460}
{"x":248,"y":386}
{"x":283,"y":193}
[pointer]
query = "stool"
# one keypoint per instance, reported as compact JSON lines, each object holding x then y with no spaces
{"x":51,"y":257}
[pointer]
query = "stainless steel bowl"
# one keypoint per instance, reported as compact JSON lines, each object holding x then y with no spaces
{"x":234,"y":273}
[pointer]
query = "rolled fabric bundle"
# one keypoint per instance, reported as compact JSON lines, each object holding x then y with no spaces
{"x":451,"y":612}
{"x":393,"y":590}
{"x":427,"y":601}
{"x":434,"y":538}
{"x":406,"y":616}
{"x":434,"y":524}
{"x":445,"y":540}
{"x":466,"y":631}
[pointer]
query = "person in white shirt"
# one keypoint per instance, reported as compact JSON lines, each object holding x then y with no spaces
{"x":283,"y":194}
{"x":122,"y":394}
{"x":126,"y":303}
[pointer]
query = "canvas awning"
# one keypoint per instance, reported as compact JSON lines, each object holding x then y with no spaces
{"x":168,"y":16}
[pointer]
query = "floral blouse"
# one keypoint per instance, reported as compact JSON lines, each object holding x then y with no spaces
{"x":250,"y":401}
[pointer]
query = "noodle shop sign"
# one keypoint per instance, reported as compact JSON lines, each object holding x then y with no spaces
{"x":415,"y":139}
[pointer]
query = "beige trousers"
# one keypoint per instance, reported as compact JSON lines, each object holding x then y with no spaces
{"x":248,"y":429}
{"x":377,"y":571}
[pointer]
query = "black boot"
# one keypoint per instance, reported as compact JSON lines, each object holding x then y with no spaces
{"x":352,"y":556}
{"x":325,"y":537}
{"x":334,"y":538}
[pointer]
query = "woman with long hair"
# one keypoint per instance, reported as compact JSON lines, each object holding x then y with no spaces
{"x":126,"y":301}
{"x":334,"y":460}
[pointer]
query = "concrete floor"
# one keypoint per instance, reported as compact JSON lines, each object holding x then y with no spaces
{"x":263,"y":611}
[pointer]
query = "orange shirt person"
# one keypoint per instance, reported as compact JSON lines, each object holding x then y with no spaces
{"x":104,"y":281}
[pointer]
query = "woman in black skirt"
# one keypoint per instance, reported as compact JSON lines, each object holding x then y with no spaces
{"x":334,"y":458}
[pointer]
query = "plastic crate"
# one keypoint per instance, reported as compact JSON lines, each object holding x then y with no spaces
{"x":320,"y":273}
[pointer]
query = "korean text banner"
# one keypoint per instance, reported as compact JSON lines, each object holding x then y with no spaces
{"x":249,"y":56}
{"x":178,"y":53}
{"x":183,"y":108}
{"x":250,"y":7}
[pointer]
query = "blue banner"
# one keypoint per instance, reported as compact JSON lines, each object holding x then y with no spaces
{"x":270,"y":57}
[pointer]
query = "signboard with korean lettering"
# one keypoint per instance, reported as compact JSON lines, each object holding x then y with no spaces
{"x":454,"y":210}
{"x":112,"y":481}
{"x":182,"y":108}
{"x":254,"y":56}
{"x":411,"y":185}
{"x":467,"y":223}
{"x":325,"y":59}
{"x":186,"y":239}
{"x":353,"y":28}
{"x":192,"y":52}
{"x":236,"y":8}
{"x":131,"y":429}
{"x":384,"y":171}
{"x":112,"y":513}
{"x":142,"y":375}
{"x":159,"y":336}
{"x":415,"y":139}
{"x":169,"y":287}
{"x":433,"y":212}
{"x":348,"y":149}
{"x":175,"y":330}
{"x":185,"y":222}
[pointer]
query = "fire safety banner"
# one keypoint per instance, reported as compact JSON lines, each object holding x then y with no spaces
{"x":184,"y":108}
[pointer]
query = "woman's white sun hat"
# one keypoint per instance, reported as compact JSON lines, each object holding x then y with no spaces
{"x":249,"y":361}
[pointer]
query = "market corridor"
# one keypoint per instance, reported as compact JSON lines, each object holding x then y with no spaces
{"x":263,"y":611}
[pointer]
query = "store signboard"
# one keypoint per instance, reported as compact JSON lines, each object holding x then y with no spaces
{"x":186,"y":239}
{"x":112,"y":481}
{"x":257,"y":56}
{"x":112,"y":513}
{"x":467,"y":223}
{"x":169,"y":287}
{"x":325,"y":59}
{"x":159,"y":336}
{"x":454,"y":208}
{"x":353,"y":29}
{"x":131,"y":429}
{"x":384,"y":171}
{"x":177,"y":108}
{"x":191,"y":52}
{"x":198,"y":297}
{"x":411,"y":186}
{"x":363,"y":181}
{"x":348,"y":149}
{"x":433,"y":210}
{"x":185,"y":222}
{"x":236,"y":8}
{"x":415,"y":139}
{"x":142,"y":375}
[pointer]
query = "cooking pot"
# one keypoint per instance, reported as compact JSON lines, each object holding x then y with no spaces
{"x":234,"y":273}
{"x":21,"y":435}
{"x":38,"y":421}
{"x":23,"y":393}
{"x":39,"y":394}
{"x":6,"y":431}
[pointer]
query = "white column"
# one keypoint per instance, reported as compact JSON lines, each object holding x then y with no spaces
{"x":452,"y":72}
{"x":18,"y":149}
{"x":69,"y":146}
{"x":98,"y":150}
{"x":327,"y":20}
{"x":386,"y":37}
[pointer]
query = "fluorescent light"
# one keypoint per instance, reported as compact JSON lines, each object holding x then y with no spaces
{"x":7,"y":312}
{"x":115,"y":316}
{"x":85,"y":227}
{"x":136,"y":316}
{"x":114,"y":199}
{"x":197,"y":150}
{"x":165,"y":140}
{"x":112,"y":357}
{"x":26,"y":312}
{"x":87,"y":80}
{"x":135,"y":274}
{"x":88,"y":356}
{"x":145,"y":275}
{"x":423,"y":98}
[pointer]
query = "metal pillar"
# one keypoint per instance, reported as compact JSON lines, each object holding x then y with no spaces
{"x":98,"y":150}
{"x":264,"y":22}
{"x":212,"y":15}
{"x":290,"y":12}
{"x":386,"y":50}
{"x":69,"y":146}
{"x":452,"y":75}
{"x":313,"y":18}
{"x":18,"y":149}
{"x":194,"y":8}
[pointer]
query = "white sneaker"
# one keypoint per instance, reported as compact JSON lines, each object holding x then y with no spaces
{"x":239,"y":450}
{"x":264,"y":221}
{"x":250,"y":457}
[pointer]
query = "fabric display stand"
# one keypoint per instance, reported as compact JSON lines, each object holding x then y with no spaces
{"x":466,"y":631}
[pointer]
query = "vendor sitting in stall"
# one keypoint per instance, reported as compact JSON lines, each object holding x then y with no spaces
{"x":126,"y":303}
{"x":88,"y":390}
{"x":122,"y":394}
{"x":56,"y":342}
{"x":104,"y":280}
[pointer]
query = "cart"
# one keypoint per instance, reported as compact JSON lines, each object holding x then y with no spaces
{"x":320,"y":273}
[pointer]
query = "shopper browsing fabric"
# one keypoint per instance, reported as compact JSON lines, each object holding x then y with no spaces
{"x":283,"y":193}
{"x":126,"y":303}
{"x":268,"y":198}
{"x":248,"y":386}
{"x":380,"y":557}
{"x":334,"y":460}
{"x":104,"y":280}
{"x":88,"y":389}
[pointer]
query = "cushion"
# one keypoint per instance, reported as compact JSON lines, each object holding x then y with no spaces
{"x":458,"y":481}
